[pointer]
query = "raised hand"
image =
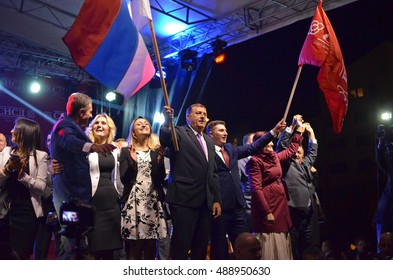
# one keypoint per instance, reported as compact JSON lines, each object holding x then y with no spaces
{"x":168,"y":115}
{"x":309,"y":130}
{"x":280,"y":126}
{"x":297,"y":120}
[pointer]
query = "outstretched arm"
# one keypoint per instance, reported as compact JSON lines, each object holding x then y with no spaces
{"x":285,"y":137}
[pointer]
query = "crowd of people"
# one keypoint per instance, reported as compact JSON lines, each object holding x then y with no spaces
{"x":184,"y":194}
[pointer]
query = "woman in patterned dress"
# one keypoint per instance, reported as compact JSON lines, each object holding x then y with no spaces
{"x":142,"y":173}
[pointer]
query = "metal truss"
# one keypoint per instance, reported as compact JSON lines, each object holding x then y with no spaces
{"x":250,"y":21}
{"x":180,"y":12}
{"x":18,"y":55}
{"x":44,"y":11}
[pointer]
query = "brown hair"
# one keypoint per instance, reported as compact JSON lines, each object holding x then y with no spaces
{"x":189,"y":109}
{"x":213,"y":124}
{"x":258,"y":135}
{"x":27,"y":137}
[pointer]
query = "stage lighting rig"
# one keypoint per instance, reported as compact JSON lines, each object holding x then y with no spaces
{"x":188,"y":59}
{"x":218,"y":50}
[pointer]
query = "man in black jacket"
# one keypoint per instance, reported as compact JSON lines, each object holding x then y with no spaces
{"x":193,"y":186}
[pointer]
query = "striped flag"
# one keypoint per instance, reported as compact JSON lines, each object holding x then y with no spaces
{"x":106,"y":43}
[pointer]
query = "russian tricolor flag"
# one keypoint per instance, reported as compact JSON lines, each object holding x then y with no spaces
{"x":105,"y":42}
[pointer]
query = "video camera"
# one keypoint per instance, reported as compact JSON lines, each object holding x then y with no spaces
{"x":77,"y":214}
{"x":77,"y":219}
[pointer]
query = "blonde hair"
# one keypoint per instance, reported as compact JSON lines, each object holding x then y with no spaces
{"x":151,"y":143}
{"x":109,"y":122}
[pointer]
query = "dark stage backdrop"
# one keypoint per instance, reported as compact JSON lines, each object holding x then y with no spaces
{"x":44,"y":107}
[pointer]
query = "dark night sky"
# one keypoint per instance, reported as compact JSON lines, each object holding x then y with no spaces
{"x":254,"y":83}
{"x":250,"y":90}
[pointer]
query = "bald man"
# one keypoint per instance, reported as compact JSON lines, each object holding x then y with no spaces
{"x":247,"y":247}
{"x":4,"y":150}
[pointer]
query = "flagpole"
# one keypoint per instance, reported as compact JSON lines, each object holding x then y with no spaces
{"x":166,"y":98}
{"x":299,"y":70}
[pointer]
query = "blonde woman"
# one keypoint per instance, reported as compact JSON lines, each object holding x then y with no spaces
{"x":142,"y":173}
{"x":105,"y":238}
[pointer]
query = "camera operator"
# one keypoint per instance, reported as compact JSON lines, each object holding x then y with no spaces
{"x":70,"y":146}
{"x":384,"y":152}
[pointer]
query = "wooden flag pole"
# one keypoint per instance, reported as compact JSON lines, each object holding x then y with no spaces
{"x":166,"y":98}
{"x":299,"y":70}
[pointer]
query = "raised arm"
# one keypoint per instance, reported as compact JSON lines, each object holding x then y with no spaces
{"x":165,"y":130}
{"x":285,"y":138}
{"x":312,"y":151}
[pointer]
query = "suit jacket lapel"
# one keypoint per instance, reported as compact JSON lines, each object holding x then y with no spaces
{"x":191,"y":134}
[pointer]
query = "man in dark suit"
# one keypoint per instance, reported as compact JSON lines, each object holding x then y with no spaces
{"x":233,"y":220}
{"x":193,"y":186}
{"x":301,"y":190}
{"x":70,"y":147}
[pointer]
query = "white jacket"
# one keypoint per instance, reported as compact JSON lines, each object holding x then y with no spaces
{"x":4,"y":156}
{"x":95,"y":173}
{"x":35,"y":182}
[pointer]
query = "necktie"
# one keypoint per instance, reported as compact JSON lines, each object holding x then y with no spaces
{"x":199,"y":136}
{"x":225,"y":156}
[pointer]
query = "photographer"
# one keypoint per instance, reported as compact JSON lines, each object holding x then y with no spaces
{"x":384,"y":152}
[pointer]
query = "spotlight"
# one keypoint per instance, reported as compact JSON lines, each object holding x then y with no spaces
{"x":163,"y":73}
{"x":220,"y":58}
{"x":35,"y":87}
{"x":386,"y":116}
{"x":218,"y":50}
{"x":159,"y":118}
{"x":110,"y":96}
{"x":188,"y":59}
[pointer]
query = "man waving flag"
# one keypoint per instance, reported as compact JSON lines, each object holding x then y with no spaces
{"x":321,"y":49}
{"x":105,"y":42}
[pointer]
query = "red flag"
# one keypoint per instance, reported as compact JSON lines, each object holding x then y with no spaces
{"x":321,"y":49}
